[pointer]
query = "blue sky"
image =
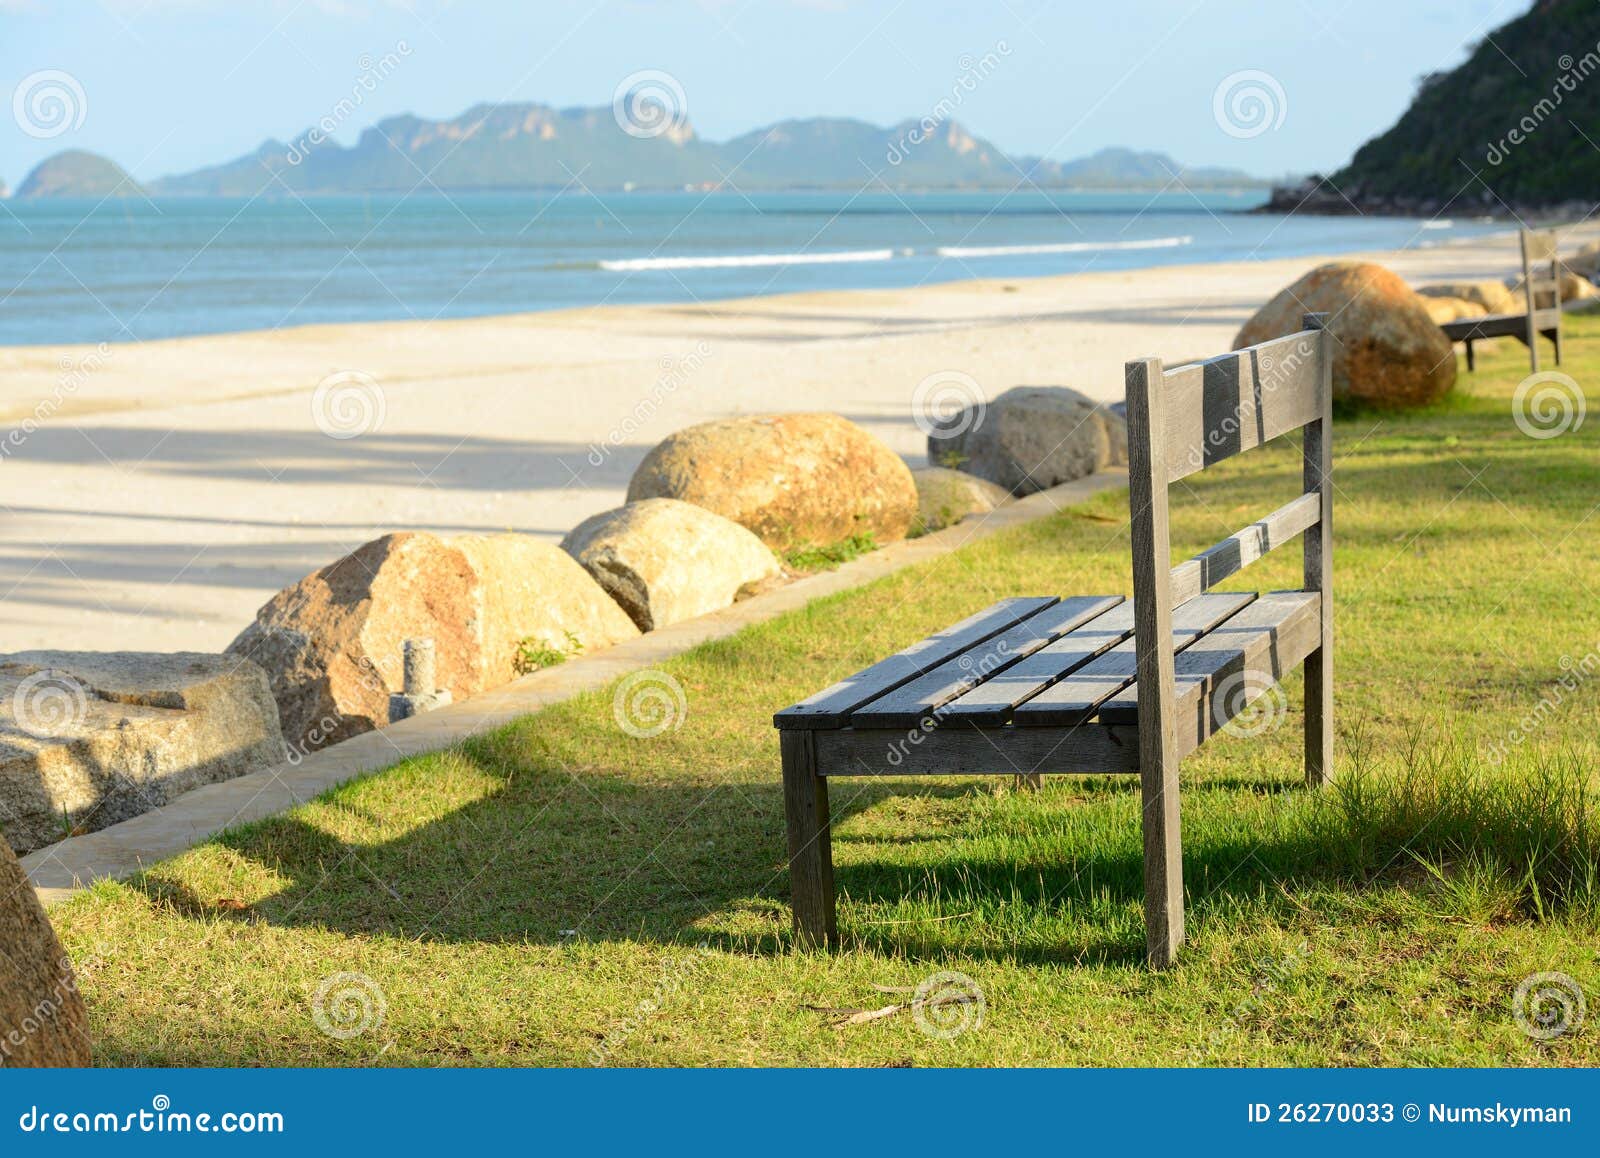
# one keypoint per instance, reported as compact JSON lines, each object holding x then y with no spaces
{"x":168,"y":85}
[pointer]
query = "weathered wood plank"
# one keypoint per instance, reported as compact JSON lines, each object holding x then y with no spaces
{"x":909,"y":705}
{"x":1005,"y":751}
{"x":1248,"y":635}
{"x":1205,"y":705}
{"x":990,"y":703}
{"x":1220,"y":407}
{"x":831,"y":707}
{"x":1317,"y":477}
{"x":805,"y":799}
{"x":1242,"y":548}
{"x":1075,"y":698}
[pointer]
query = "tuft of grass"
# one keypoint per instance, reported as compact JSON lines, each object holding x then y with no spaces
{"x":807,"y":559}
{"x":534,"y":654}
{"x":540,"y":895}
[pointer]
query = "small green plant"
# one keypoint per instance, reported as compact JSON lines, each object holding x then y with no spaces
{"x":535,"y":654}
{"x":815,"y":558}
{"x":951,"y":459}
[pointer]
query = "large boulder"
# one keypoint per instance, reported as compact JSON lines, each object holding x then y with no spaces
{"x":42,"y":1018}
{"x":91,"y":738}
{"x":1492,"y":295}
{"x":1443,"y":310}
{"x":531,"y":591}
{"x":1573,"y":289}
{"x":1585,"y":263}
{"x":794,"y":479}
{"x":1387,"y":351}
{"x":331,"y":644}
{"x":664,"y":560}
{"x":1031,"y":438}
{"x":945,"y":497}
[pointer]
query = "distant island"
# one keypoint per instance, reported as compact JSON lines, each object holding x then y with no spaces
{"x":536,"y":147}
{"x":1514,"y":130}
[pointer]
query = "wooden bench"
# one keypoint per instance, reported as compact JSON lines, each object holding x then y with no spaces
{"x":1095,"y":683}
{"x":1537,"y":249}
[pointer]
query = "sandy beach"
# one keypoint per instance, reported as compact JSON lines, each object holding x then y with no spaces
{"x":167,"y":489}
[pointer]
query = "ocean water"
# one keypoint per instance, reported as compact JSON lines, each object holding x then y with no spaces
{"x":132,"y":269}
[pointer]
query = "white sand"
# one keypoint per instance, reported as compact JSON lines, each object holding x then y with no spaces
{"x":178,"y":484}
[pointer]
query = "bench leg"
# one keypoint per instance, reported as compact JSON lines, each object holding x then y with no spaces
{"x":1163,"y":863}
{"x":1319,"y":717}
{"x":805,"y":801}
{"x":1472,"y":360}
{"x":1027,"y":782}
{"x":1555,"y":336}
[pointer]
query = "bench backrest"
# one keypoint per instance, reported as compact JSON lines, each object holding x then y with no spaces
{"x":1541,"y":273}
{"x":1183,"y":420}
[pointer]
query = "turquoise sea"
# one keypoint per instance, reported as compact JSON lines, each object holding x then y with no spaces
{"x":135,"y":269}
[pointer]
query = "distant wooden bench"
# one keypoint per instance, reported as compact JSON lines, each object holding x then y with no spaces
{"x":1094,"y":683}
{"x":1537,"y":248}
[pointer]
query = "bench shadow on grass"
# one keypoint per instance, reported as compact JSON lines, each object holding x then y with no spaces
{"x":611,"y":858}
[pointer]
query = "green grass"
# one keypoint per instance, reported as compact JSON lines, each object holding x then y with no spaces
{"x":561,"y":891}
{"x":805,"y":560}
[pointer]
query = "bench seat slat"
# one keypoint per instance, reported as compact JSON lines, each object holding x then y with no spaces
{"x":1265,"y":638}
{"x":990,"y":703}
{"x":911,"y":703}
{"x":831,"y":707}
{"x":1076,"y":698}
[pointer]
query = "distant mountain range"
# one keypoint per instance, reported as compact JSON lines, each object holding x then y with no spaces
{"x":531,"y":146}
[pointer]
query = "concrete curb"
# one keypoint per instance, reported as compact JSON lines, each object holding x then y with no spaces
{"x":60,"y":870}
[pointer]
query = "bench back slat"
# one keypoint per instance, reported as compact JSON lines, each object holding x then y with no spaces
{"x":1226,"y":405}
